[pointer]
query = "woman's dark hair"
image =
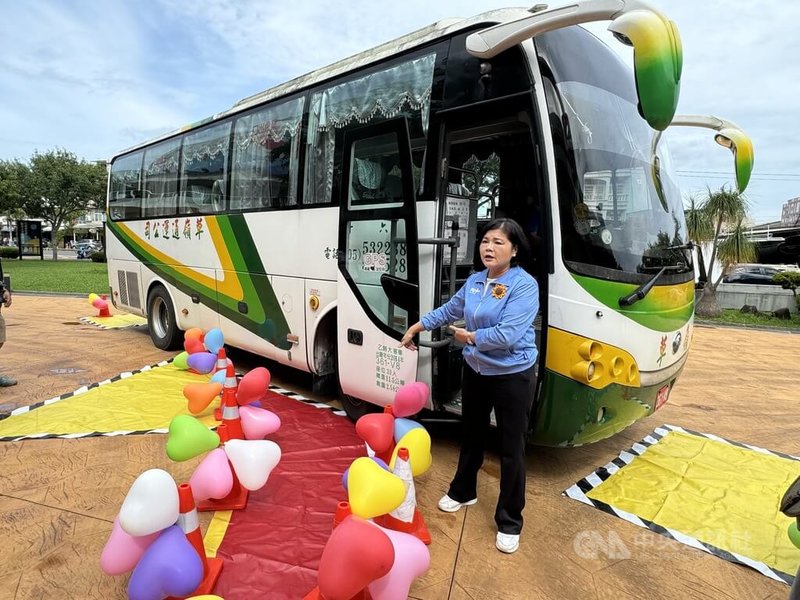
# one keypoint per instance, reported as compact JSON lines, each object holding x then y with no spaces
{"x":515,"y":235}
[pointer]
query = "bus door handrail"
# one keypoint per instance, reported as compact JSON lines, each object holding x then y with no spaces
{"x":453,"y":243}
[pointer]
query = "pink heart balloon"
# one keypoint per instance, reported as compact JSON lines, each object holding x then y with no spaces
{"x":411,"y":559}
{"x":202,"y":362}
{"x":213,"y":477}
{"x":122,"y":550}
{"x":169,"y":567}
{"x":253,"y":461}
{"x":410,"y":399}
{"x":258,"y":423}
{"x":253,"y":386}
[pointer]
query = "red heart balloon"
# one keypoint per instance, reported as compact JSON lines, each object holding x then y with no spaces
{"x":193,"y":346}
{"x":357,"y":553}
{"x":377,"y":429}
{"x":253,"y":386}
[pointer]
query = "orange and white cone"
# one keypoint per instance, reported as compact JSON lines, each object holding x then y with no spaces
{"x":221,"y":365}
{"x":406,"y":517}
{"x":222,"y":361}
{"x":230,"y":408}
{"x":237,"y":497}
{"x":190,"y":524}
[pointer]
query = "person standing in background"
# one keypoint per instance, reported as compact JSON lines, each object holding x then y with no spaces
{"x":5,"y":300}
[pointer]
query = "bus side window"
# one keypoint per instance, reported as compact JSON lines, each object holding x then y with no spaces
{"x":124,"y":199}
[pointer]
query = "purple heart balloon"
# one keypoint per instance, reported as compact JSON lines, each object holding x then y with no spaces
{"x":202,"y":362}
{"x":169,"y":567}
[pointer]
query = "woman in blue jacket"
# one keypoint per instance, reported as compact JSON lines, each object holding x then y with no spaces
{"x":498,"y":305}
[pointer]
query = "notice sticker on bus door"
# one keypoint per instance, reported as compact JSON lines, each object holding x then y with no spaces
{"x":661,"y":396}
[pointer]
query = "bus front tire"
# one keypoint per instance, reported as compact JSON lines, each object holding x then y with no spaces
{"x":161,"y":320}
{"x":356,"y":408}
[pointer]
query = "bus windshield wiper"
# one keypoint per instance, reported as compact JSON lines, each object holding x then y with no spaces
{"x":644,"y":289}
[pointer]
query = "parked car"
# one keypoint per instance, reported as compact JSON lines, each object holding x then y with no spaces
{"x":751,"y":278}
{"x":85,"y":248}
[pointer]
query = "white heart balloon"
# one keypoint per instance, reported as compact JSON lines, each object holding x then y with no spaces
{"x":151,"y":504}
{"x":253,"y":461}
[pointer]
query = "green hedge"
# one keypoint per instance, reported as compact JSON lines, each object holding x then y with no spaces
{"x":9,"y":252}
{"x":98,"y":257}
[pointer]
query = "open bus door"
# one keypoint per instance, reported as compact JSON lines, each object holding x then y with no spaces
{"x":378,"y":295}
{"x":489,"y":171}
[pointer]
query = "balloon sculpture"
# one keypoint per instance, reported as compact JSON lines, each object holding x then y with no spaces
{"x":157,"y":536}
{"x":406,"y":446}
{"x":100,"y":303}
{"x":378,"y":546}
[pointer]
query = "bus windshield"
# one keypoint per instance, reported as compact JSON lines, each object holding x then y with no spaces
{"x":621,"y":215}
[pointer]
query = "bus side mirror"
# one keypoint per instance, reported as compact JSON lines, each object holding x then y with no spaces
{"x":657,"y":62}
{"x":743,"y":155}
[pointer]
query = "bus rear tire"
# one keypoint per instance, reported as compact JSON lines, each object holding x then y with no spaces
{"x":161,"y":320}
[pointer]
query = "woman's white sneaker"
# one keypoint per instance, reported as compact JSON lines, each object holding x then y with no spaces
{"x":447,"y":504}
{"x":507,"y":542}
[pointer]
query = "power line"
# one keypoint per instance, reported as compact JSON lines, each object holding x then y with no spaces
{"x":723,"y":172}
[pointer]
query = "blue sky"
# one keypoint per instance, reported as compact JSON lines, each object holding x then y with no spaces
{"x":97,"y":77}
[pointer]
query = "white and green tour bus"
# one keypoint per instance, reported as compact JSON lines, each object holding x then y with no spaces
{"x":313,"y":222}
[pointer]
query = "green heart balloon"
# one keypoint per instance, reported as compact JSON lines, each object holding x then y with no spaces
{"x":188,"y":438}
{"x":180,"y":361}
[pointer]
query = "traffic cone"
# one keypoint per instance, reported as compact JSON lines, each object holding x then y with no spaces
{"x":222,"y":365}
{"x":237,"y":497}
{"x":104,"y":309}
{"x":190,"y":524}
{"x":406,"y":517}
{"x":386,"y":455}
{"x":342,"y":512}
{"x":230,"y":408}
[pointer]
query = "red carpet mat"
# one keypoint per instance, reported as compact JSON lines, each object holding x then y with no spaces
{"x":272,"y":548}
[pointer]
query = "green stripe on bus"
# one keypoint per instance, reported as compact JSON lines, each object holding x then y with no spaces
{"x":665,"y":308}
{"x":264,"y":316}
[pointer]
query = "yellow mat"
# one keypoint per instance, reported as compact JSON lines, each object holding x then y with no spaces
{"x":118,"y":321}
{"x":137,"y":402}
{"x":718,"y":496}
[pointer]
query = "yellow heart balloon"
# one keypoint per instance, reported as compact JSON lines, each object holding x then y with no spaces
{"x":418,"y":442}
{"x":372,"y":490}
{"x":206,"y":597}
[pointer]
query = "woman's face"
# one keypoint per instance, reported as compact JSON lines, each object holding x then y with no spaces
{"x":497,"y":251}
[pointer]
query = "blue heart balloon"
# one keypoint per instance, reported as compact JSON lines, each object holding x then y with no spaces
{"x":214,"y":340}
{"x":402,"y":427}
{"x":218,"y":377}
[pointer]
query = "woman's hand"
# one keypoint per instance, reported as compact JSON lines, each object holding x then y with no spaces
{"x":407,"y":341}
{"x":462,"y":335}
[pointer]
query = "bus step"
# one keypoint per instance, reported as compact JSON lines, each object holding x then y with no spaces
{"x":455,"y":407}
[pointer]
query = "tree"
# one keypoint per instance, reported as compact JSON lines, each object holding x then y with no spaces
{"x":789,"y":280}
{"x":12,"y":174}
{"x":700,"y":230}
{"x":59,"y":187}
{"x":724,"y":206}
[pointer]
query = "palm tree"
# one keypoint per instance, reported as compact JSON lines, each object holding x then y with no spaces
{"x":735,"y":248}
{"x":724,"y":206}
{"x":700,"y":230}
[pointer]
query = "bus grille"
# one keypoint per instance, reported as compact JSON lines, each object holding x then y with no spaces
{"x":129,"y":289}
